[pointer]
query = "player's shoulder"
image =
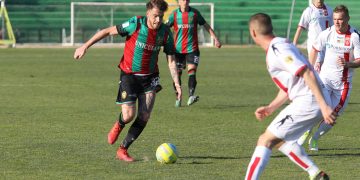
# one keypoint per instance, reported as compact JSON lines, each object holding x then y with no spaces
{"x":135,"y":19}
{"x":354,"y":32}
{"x":328,"y":30}
{"x":308,"y":9}
{"x":280,"y":46}
{"x":194,"y":9}
{"x":164,"y":27}
{"x":174,"y":11}
{"x":328,"y":8}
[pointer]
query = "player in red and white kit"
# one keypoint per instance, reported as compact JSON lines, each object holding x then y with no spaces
{"x":342,"y":46}
{"x":315,"y":18}
{"x":297,"y":82}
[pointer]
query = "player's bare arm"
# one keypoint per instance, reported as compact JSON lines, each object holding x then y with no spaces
{"x":265,"y":111}
{"x":312,"y":59}
{"x":213,"y":35}
{"x":297,"y":34}
{"x":311,"y":81}
{"x":174,"y":74}
{"x":80,"y":52}
{"x":312,"y":56}
{"x":345,"y":64}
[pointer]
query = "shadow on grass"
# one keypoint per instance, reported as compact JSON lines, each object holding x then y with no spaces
{"x":198,"y":159}
{"x":228,"y":106}
{"x":337,"y":154}
{"x":210,"y":157}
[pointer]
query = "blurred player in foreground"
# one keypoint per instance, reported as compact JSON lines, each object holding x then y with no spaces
{"x":139,"y":70}
{"x":315,"y":18}
{"x":342,"y":54}
{"x":297,"y":82}
{"x":185,"y":21}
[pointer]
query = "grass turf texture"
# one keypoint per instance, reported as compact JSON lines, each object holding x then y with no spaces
{"x":55,"y":114}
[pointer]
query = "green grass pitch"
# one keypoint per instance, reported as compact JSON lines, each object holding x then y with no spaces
{"x":55,"y":114}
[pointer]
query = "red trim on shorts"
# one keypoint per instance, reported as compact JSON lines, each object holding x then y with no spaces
{"x":278,"y":83}
{"x":301,"y":69}
{"x":344,"y":95}
{"x":315,"y":49}
{"x":253,"y":167}
{"x":298,"y":160}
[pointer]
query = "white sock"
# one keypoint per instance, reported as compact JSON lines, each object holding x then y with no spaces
{"x":258,"y":162}
{"x":297,"y":154}
{"x":323,"y":129}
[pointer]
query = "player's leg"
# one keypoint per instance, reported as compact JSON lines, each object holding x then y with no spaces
{"x":193,"y":60}
{"x":145,"y":106}
{"x":304,"y":137}
{"x":180,"y":65}
{"x":146,"y":91}
{"x":290,"y":124}
{"x":340,"y":100}
{"x":128,"y":108}
{"x":297,"y":154}
{"x":261,"y":155}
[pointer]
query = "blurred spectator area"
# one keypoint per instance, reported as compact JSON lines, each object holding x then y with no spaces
{"x":43,"y":21}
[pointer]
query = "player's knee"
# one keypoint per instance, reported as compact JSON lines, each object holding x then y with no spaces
{"x":144,"y":116}
{"x":192,"y":72}
{"x":128,"y":115}
{"x":267,"y":141}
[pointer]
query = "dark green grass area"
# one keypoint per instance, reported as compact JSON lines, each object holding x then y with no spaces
{"x":55,"y":114}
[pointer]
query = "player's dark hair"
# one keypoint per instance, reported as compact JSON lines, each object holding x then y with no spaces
{"x":263,"y":22}
{"x":160,"y":4}
{"x":343,"y":9}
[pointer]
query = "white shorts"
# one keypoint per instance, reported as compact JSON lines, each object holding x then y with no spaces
{"x":340,"y":98}
{"x":300,"y":115}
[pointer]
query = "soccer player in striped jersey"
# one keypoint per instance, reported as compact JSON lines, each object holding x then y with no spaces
{"x":297,"y":82}
{"x":315,"y":18}
{"x":341,"y":44}
{"x":185,"y":21}
{"x":139,"y":70}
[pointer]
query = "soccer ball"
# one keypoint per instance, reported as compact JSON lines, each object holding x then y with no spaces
{"x":166,"y":153}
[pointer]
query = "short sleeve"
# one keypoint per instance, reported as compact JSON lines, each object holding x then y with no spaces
{"x":201,"y":20}
{"x":291,"y":60}
{"x":305,"y":18}
{"x":319,"y":43}
{"x":128,"y":27}
{"x":330,"y":16}
{"x":356,"y":44}
{"x":170,"y":21}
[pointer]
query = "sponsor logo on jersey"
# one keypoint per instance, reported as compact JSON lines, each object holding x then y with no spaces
{"x":338,"y":48}
{"x":147,"y":46}
{"x":185,"y":26}
{"x":126,"y":24}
